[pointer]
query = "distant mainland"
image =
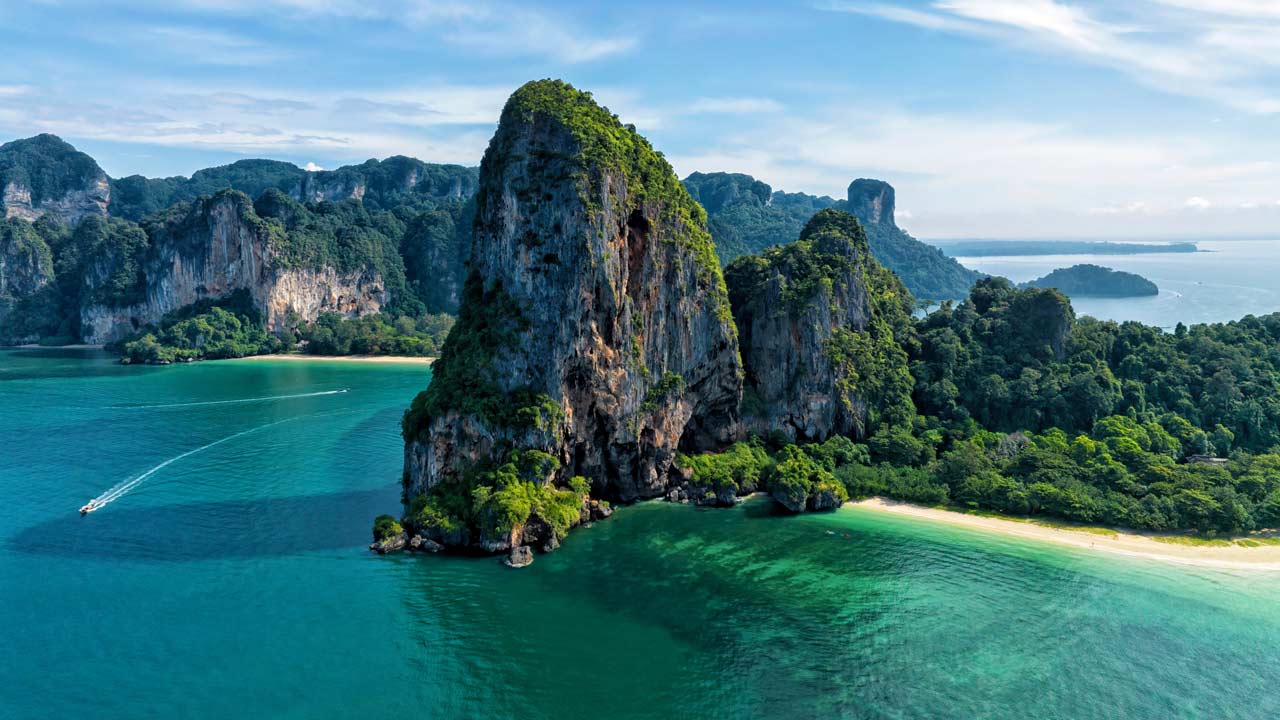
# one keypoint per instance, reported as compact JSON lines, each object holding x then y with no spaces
{"x":987,"y":248}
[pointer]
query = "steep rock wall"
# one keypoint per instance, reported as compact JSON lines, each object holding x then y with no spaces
{"x":595,"y":325}
{"x":817,"y":320}
{"x":220,"y":247}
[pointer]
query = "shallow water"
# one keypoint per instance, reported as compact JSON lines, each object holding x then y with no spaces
{"x":1228,"y":280}
{"x":235,"y":582}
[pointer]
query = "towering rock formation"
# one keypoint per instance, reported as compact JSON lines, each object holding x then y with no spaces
{"x":821,"y":324}
{"x":871,"y":201}
{"x":216,"y":246}
{"x":923,"y":268}
{"x":43,"y":174}
{"x":595,"y":326}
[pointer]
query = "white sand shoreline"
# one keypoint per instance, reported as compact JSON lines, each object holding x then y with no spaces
{"x":1129,"y":544}
{"x":413,"y":360}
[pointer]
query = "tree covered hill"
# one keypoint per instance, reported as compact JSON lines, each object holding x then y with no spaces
{"x":379,"y":184}
{"x":1087,"y":280}
{"x":745,"y":216}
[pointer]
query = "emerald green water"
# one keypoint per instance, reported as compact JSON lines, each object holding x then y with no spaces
{"x":234,"y":583}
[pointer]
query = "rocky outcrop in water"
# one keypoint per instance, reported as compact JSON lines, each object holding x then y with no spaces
{"x":595,"y":326}
{"x":43,"y":174}
{"x":215,"y":247}
{"x":817,"y":322}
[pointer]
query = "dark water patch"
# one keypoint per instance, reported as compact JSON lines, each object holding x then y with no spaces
{"x":197,"y":531}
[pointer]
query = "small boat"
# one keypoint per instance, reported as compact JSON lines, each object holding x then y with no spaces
{"x":89,"y":507}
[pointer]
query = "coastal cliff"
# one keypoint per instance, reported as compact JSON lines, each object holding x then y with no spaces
{"x":594,"y":340}
{"x":213,"y":247}
{"x":822,"y":325}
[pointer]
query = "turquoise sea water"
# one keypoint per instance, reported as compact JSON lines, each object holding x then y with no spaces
{"x":1230,"y":279}
{"x":234,"y":582}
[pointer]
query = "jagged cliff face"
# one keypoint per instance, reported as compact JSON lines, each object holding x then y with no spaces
{"x":43,"y":174}
{"x":595,"y":326}
{"x":814,"y":317}
{"x":218,"y":247}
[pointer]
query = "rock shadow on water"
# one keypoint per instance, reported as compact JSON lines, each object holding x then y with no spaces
{"x":201,"y":531}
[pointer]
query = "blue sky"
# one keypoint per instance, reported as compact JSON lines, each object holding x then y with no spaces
{"x":993,"y":118}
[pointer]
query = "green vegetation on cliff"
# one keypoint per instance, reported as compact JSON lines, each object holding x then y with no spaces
{"x":464,"y":380}
{"x":495,"y":498}
{"x":26,"y":268}
{"x":831,"y":262}
{"x":1095,"y":281}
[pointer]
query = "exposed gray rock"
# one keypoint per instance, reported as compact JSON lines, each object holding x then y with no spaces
{"x":824,"y":500}
{"x":521,"y":556}
{"x":420,"y":544}
{"x":217,"y":248}
{"x":872,"y":201}
{"x":600,"y":510}
{"x":394,"y":543}
{"x":624,"y":322}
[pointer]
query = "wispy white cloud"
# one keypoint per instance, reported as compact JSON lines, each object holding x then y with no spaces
{"x":437,"y":123}
{"x":1198,"y":203}
{"x":734,"y":105}
{"x":494,"y":27}
{"x":1218,"y":50}
{"x":1245,"y":9}
{"x":1133,"y":208}
{"x":202,"y":45}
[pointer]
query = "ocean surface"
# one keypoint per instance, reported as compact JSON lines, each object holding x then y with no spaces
{"x":1227,"y":280}
{"x":233,"y":581}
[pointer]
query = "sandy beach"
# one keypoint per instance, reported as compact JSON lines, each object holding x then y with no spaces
{"x":345,"y":358}
{"x":1131,"y":544}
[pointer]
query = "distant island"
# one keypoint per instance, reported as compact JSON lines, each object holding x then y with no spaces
{"x":987,"y":248}
{"x":1086,"y":280}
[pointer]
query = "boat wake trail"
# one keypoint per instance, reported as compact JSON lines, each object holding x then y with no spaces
{"x":230,"y":402}
{"x":119,"y":490}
